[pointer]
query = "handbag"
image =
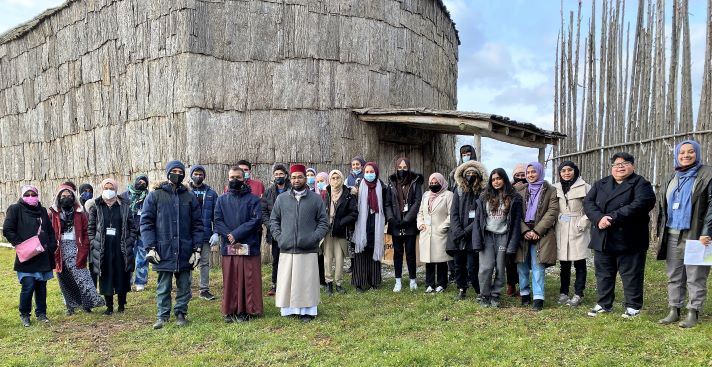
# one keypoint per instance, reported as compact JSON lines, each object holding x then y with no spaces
{"x":30,"y":247}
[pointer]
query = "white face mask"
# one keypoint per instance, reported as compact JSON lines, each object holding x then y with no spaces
{"x":108,"y":194}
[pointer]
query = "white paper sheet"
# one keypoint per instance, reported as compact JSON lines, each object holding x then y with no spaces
{"x":697,"y":254}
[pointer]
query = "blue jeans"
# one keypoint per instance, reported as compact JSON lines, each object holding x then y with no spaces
{"x":141,"y":272}
{"x":163,"y":293}
{"x":30,"y":287}
{"x":523,"y":268}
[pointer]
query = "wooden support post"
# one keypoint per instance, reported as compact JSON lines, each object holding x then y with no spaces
{"x":478,"y":146}
{"x":542,"y":154}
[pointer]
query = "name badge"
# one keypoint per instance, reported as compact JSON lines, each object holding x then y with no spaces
{"x":69,"y":236}
{"x":472,"y":214}
{"x":405,"y":208}
{"x":675,"y":206}
{"x":139,"y":212}
{"x":111,"y":231}
{"x":564,"y":218}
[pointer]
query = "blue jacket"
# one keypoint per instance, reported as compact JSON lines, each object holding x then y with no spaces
{"x":239,"y":214}
{"x":171,"y":223}
{"x":208,"y":210}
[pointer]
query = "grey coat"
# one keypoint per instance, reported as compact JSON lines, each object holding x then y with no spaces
{"x":298,"y":225}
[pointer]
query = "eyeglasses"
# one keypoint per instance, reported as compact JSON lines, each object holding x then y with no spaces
{"x":621,"y":165}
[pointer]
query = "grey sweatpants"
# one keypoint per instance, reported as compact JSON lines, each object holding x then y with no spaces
{"x":492,"y":259}
{"x":691,"y":279}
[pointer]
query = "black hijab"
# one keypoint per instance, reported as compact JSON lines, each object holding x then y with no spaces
{"x":566,"y":185}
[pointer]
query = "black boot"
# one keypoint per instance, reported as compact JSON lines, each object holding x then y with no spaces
{"x":672,"y":316}
{"x":538,"y":304}
{"x":330,"y":289}
{"x":526,"y":300}
{"x":691,"y":320}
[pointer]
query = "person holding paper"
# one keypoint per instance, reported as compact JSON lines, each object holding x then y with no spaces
{"x":238,"y":222}
{"x":684,"y":214}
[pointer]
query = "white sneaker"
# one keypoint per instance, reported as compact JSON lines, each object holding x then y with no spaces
{"x":439,"y":289}
{"x":630,"y":313}
{"x":596,"y":310}
{"x":140,"y":287}
{"x":429,"y":289}
{"x":413,"y":285}
{"x":397,"y":287}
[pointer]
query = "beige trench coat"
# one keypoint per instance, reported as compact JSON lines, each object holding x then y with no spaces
{"x":433,"y":239}
{"x":573,"y":228}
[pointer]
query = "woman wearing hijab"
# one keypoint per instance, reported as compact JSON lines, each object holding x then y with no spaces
{"x":368,"y":234}
{"x":23,"y":220}
{"x":434,"y":224}
{"x":342,"y":211}
{"x":322,"y":182}
{"x":683,"y":214}
{"x":402,"y":206}
{"x":311,"y":179}
{"x":112,"y":235}
{"x":573,"y":231}
{"x":496,"y":234}
{"x":537,"y":250}
{"x":69,"y":222}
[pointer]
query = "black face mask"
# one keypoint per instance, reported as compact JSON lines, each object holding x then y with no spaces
{"x":280,"y":181}
{"x":436,"y":188}
{"x":471,"y":179}
{"x":198,"y":180}
{"x":401,"y":173}
{"x":235,"y":184}
{"x":522,"y":180}
{"x":140,"y":186}
{"x":66,"y":202}
{"x":176,"y":178}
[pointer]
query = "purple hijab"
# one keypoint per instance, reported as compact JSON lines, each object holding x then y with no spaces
{"x":534,"y":190}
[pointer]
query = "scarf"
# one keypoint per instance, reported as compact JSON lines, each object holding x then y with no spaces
{"x":434,"y":195}
{"x":361,"y":233}
{"x":566,"y":185}
{"x":136,"y":197}
{"x":373,"y":196}
{"x":403,"y":184}
{"x":534,"y":190}
{"x":116,"y":188}
{"x":336,"y":191}
{"x":681,"y":217}
{"x":66,"y":218}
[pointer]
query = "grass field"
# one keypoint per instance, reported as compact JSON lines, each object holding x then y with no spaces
{"x":378,"y":328}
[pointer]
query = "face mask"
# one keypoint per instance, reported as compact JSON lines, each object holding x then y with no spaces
{"x":465,"y":158}
{"x":471,"y":179}
{"x":356,"y":172}
{"x":66,"y":202}
{"x":321,"y":185}
{"x":86,"y":196}
{"x":140,"y":186}
{"x":436,"y":188}
{"x":198,"y":180}
{"x":247,"y":175}
{"x":108,"y":194}
{"x":31,"y":200}
{"x":280,"y":181}
{"x":522,"y":180}
{"x":401,"y":173}
{"x":311,"y":180}
{"x":370,"y":177}
{"x":236,"y":184}
{"x":175,"y":178}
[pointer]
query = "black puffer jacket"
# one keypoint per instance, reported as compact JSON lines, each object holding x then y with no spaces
{"x":267,"y":200}
{"x":97,"y":234}
{"x":21,"y":223}
{"x":346,"y":213}
{"x":403,"y":223}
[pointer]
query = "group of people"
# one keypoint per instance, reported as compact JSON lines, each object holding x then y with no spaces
{"x":486,"y":229}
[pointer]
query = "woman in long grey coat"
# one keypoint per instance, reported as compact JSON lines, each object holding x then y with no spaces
{"x":573,"y":231}
{"x":434,"y":223}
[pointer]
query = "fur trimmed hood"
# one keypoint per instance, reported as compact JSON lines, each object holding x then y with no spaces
{"x":460,"y":179}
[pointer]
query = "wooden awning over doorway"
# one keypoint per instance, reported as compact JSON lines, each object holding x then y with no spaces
{"x":466,"y":123}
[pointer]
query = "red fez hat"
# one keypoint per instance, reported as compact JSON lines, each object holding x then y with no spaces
{"x":298,"y":168}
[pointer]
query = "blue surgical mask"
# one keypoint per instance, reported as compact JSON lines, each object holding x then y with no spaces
{"x":311,"y":180}
{"x":465,"y":158}
{"x":370,"y":177}
{"x":356,"y":172}
{"x":321,"y":185}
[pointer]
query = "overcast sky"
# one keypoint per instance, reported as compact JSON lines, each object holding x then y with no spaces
{"x":506,"y":59}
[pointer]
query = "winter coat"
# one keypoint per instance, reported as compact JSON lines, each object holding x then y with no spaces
{"x":514,"y":220}
{"x":239,"y":214}
{"x":299,"y":225}
{"x":80,"y":235}
{"x":628,"y":204}
{"x":208,"y":210}
{"x":403,"y":223}
{"x":268,"y":199}
{"x":433,"y":240}
{"x":547,"y":213}
{"x":21,"y":223}
{"x":346,"y":213}
{"x":573,"y":229}
{"x":172,"y":223}
{"x":97,"y":234}
{"x":460,"y":235}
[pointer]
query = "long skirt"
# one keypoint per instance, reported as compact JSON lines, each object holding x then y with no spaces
{"x":366,"y":271}
{"x":298,"y":284}
{"x":242,"y":285}
{"x":76,"y":284}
